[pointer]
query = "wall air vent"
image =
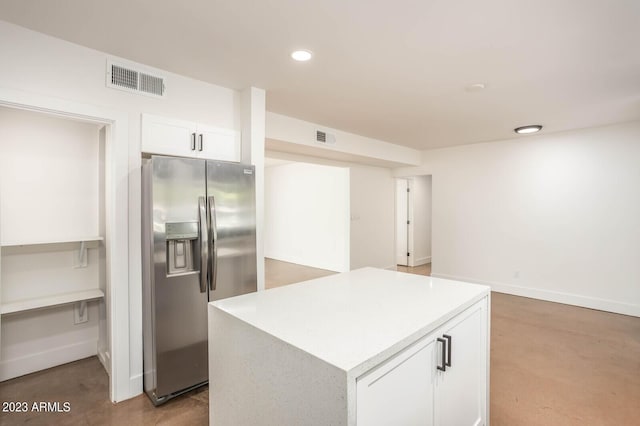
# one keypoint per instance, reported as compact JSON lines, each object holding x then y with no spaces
{"x":151,"y":84}
{"x":131,"y":80}
{"x":324,"y":137}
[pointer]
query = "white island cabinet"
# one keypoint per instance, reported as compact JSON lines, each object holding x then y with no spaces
{"x":367,"y":347}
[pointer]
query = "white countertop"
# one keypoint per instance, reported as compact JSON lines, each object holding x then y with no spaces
{"x":353,"y":318}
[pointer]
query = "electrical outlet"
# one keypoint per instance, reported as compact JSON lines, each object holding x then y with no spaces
{"x":80,"y":312}
{"x":516,"y":274}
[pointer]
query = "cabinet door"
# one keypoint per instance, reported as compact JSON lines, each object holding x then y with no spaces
{"x":218,"y":144}
{"x":460,"y":391}
{"x":167,"y":136}
{"x":400,"y":391}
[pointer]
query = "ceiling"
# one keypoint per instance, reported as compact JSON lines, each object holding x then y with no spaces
{"x":394,"y":71}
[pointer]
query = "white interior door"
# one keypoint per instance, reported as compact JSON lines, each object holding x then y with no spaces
{"x":402,"y":219}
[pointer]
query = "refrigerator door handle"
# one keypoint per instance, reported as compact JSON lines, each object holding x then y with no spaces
{"x":204,"y":244}
{"x":214,"y":243}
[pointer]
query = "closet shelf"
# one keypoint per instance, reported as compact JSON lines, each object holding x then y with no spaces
{"x":50,"y":245}
{"x":95,"y":239}
{"x":49,"y":301}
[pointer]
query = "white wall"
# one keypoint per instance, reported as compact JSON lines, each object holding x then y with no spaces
{"x":32,"y":347}
{"x":51,"y":67}
{"x":307,"y":215}
{"x":372,"y":205}
{"x":555,"y":216}
{"x":421,"y":219}
{"x":372,"y":217}
{"x":48,"y":177}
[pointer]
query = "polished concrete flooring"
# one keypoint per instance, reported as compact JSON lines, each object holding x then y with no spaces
{"x":420,"y":270}
{"x":551,"y":364}
{"x":278,"y":273}
{"x":84,"y":384}
{"x":554,"y":364}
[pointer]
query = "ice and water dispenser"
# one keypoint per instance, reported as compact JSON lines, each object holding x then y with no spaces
{"x":182,"y":244}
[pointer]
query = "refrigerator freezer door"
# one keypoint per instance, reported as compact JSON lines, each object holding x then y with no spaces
{"x":232,"y":207}
{"x":179,"y":307}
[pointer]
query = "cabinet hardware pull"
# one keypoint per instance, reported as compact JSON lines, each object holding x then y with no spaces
{"x":449,"y":349}
{"x":444,"y":348}
{"x":200,"y":143}
{"x":193,"y":141}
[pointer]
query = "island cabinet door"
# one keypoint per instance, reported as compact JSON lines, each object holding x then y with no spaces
{"x":399,"y":391}
{"x":460,"y":388}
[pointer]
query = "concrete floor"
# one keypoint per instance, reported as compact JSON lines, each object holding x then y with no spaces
{"x":278,"y":273}
{"x":551,"y":364}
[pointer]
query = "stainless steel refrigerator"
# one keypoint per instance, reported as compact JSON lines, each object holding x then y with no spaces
{"x":199,"y":245}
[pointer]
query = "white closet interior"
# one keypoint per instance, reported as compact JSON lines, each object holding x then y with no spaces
{"x":53,"y":266}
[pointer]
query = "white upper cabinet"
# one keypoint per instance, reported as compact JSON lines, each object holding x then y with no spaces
{"x":218,"y":144}
{"x":167,"y":136}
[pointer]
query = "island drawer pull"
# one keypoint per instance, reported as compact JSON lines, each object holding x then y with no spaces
{"x":449,"y":349}
{"x":444,"y":349}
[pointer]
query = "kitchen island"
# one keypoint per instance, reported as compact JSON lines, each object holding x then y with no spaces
{"x":366,"y":347}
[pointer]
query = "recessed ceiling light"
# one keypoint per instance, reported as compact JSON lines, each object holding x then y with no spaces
{"x":528,"y":129}
{"x":301,"y":55}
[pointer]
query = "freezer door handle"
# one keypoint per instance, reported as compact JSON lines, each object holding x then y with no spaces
{"x":204,"y":244}
{"x":214,"y":243}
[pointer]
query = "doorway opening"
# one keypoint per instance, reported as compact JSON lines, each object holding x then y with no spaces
{"x":64,"y":238}
{"x":53,"y":278}
{"x":307,"y":219}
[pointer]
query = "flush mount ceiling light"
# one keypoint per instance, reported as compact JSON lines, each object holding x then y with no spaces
{"x":301,"y":55}
{"x":528,"y":129}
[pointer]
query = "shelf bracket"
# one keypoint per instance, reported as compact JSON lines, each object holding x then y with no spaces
{"x":80,"y":312}
{"x":81,"y":259}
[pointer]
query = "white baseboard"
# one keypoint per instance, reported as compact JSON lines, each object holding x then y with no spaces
{"x":50,"y":358}
{"x":105,"y":359}
{"x":422,"y":261}
{"x":555,"y":296}
{"x":136,"y":384}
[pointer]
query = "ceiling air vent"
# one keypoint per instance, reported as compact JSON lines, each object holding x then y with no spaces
{"x":324,"y":137}
{"x":131,"y":80}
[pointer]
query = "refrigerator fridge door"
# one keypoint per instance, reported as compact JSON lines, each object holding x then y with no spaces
{"x":178,"y":286}
{"x":232,"y":213}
